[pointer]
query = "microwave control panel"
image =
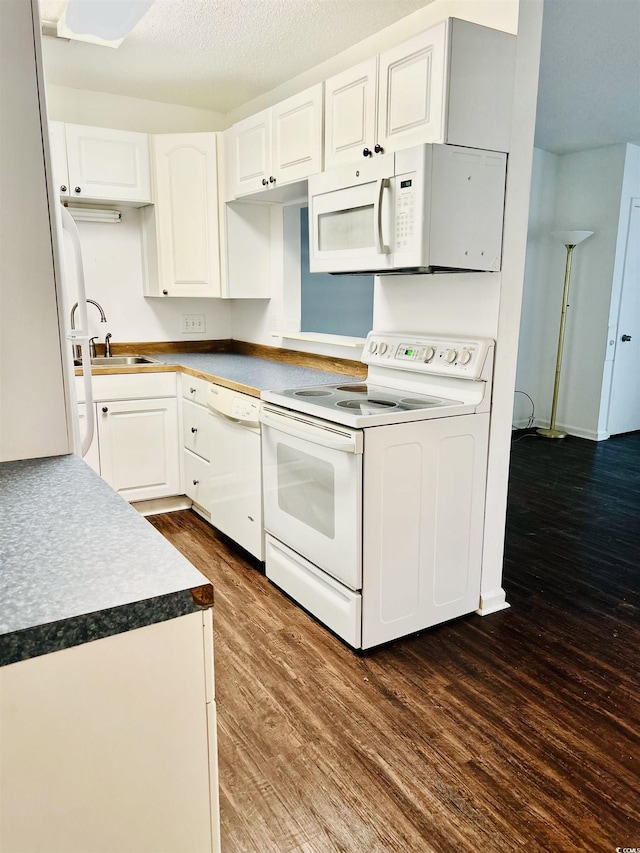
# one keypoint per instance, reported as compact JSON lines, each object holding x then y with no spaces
{"x":405,"y":198}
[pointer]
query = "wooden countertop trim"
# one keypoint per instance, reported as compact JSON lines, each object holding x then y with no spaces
{"x":287,"y":356}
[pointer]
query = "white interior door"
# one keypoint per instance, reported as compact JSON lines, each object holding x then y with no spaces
{"x":624,"y":404}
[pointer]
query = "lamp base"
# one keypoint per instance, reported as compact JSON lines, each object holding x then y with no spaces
{"x":551,"y":433}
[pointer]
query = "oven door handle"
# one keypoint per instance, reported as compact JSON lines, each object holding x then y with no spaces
{"x":326,"y":437}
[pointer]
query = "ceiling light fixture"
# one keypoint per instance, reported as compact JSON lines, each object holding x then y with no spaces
{"x":103,"y":22}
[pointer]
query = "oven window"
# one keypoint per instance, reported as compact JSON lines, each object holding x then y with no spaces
{"x":352,"y":228}
{"x":306,"y":489}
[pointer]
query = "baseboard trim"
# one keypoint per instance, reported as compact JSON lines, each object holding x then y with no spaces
{"x":492,"y":602}
{"x":160,"y":505}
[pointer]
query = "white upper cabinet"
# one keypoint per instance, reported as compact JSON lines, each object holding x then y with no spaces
{"x":450,"y":84}
{"x":297,"y":136}
{"x":351,"y":100}
{"x":411,"y":79}
{"x":249,"y":154}
{"x":107,"y":165}
{"x":277,"y":146}
{"x":181,"y":229}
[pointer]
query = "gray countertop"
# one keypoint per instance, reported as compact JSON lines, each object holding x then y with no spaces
{"x":70,"y":546}
{"x":262,"y":374}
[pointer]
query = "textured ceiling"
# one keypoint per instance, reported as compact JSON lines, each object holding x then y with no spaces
{"x":217,"y":54}
{"x":589,"y":91}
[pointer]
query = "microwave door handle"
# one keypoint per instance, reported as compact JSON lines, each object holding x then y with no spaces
{"x":382,"y":249}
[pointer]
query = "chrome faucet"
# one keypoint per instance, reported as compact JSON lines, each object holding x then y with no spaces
{"x":77,"y":350}
{"x":107,"y":345}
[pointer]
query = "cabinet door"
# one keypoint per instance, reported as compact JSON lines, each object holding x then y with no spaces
{"x":350,"y":114}
{"x":186,"y":214}
{"x":139,"y":447}
{"x":196,"y":479}
{"x":411,"y":104}
{"x":58,"y":149}
{"x":108,"y":164}
{"x":249,"y":154}
{"x":195,"y":428}
{"x":297,"y":136}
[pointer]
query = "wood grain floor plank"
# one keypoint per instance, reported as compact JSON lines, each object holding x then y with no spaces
{"x":518,"y":731}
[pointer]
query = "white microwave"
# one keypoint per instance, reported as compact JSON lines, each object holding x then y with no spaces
{"x":430,"y":208}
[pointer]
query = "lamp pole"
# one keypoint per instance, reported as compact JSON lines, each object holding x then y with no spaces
{"x":570,"y":239}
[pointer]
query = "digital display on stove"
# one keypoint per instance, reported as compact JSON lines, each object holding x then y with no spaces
{"x":408,"y":352}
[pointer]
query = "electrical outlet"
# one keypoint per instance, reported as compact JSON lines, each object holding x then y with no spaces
{"x":192,"y":324}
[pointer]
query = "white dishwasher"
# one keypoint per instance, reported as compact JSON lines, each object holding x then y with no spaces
{"x":235,"y":467}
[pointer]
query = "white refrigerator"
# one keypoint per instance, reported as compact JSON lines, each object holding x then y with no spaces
{"x":37,"y":403}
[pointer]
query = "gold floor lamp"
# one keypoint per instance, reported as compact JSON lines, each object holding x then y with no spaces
{"x":570,"y":240}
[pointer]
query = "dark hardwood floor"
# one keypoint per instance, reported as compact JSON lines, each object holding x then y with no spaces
{"x":517,"y":731}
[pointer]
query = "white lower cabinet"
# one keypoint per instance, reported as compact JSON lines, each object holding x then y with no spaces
{"x":138,"y":442}
{"x":196,"y":443}
{"x":135,"y":448}
{"x":111,"y":745}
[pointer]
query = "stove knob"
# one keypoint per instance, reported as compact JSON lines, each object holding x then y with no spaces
{"x":429,"y":354}
{"x":465,"y":356}
{"x":383,"y":348}
{"x":451,"y":355}
{"x":373,"y":346}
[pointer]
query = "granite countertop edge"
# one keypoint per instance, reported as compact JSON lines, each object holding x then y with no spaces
{"x":79,"y":562}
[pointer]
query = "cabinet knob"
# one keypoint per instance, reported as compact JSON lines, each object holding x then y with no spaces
{"x":366,"y":152}
{"x":378,"y":148}
{"x":195,"y":482}
{"x":63,"y":188}
{"x":192,"y":390}
{"x":77,"y":189}
{"x":165,"y":292}
{"x":625,"y":338}
{"x":265,"y":182}
{"x":194,"y":429}
{"x":272,"y":180}
{"x":105,"y":409}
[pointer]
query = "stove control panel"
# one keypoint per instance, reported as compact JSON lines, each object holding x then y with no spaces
{"x":427,"y":353}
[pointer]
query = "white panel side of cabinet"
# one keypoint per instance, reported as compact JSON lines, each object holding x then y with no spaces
{"x":481,"y":78}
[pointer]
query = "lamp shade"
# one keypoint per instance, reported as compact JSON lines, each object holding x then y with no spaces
{"x":571,"y":238}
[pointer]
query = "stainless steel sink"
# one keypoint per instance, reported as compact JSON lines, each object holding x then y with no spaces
{"x":117,"y":360}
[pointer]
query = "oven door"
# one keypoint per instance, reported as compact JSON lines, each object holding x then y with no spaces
{"x":312,"y":481}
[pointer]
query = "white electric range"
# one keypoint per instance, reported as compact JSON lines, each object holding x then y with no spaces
{"x":374,"y":491}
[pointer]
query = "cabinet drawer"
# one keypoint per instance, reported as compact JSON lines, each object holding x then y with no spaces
{"x":337,"y":607}
{"x":196,"y":479}
{"x":194,"y":389}
{"x":195,"y":429}
{"x":129,"y":386}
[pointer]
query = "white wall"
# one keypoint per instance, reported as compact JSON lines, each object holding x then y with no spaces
{"x":541,"y":299}
{"x":589,"y":193}
{"x":101,"y":109}
{"x":112,"y":257}
{"x":586,"y":190}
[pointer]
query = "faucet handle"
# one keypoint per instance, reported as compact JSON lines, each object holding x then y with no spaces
{"x":107,"y":344}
